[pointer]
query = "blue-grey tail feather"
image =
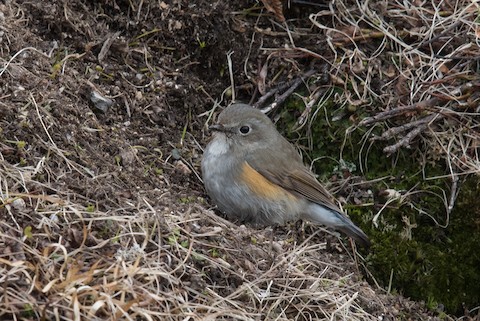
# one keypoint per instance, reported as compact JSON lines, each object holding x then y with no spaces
{"x":326,"y":216}
{"x":356,"y":233}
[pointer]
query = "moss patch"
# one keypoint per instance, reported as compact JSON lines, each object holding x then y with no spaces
{"x":413,"y":252}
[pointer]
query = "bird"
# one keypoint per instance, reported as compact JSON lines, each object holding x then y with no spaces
{"x":254,"y":175}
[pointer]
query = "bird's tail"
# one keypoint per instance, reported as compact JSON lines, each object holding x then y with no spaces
{"x":356,"y":233}
{"x":328,"y":217}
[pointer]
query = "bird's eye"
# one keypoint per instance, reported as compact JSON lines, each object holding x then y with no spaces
{"x":245,"y":129}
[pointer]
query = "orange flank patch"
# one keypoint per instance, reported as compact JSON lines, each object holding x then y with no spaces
{"x":261,"y":186}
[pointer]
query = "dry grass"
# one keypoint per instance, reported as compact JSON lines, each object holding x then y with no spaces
{"x":66,"y":262}
{"x":418,"y":61}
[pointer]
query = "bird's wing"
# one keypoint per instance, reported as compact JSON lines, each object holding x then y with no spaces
{"x":294,"y":177}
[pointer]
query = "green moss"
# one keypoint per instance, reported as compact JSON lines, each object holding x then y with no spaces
{"x":28,"y":311}
{"x":421,"y":259}
{"x":437,"y":265}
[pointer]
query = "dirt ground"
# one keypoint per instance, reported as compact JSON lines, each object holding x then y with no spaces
{"x":103,"y":212}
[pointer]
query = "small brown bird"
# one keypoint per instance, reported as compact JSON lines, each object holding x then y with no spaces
{"x":255,"y":175}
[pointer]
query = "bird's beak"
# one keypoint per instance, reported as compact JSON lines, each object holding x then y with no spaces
{"x":217,"y":127}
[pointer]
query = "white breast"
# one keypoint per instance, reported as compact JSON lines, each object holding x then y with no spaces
{"x":218,"y":146}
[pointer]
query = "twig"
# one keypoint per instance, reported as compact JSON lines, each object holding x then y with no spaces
{"x":398,"y":111}
{"x":308,"y":107}
{"x":441,"y":34}
{"x":230,"y":72}
{"x":453,"y":194}
{"x":262,"y":100}
{"x":405,"y":141}
{"x":397,"y":130}
{"x":106,"y":46}
{"x":4,"y":68}
{"x":281,"y":98}
{"x":464,"y":90}
{"x":275,"y":7}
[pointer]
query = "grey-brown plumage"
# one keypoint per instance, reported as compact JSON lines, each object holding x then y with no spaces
{"x":255,"y":175}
